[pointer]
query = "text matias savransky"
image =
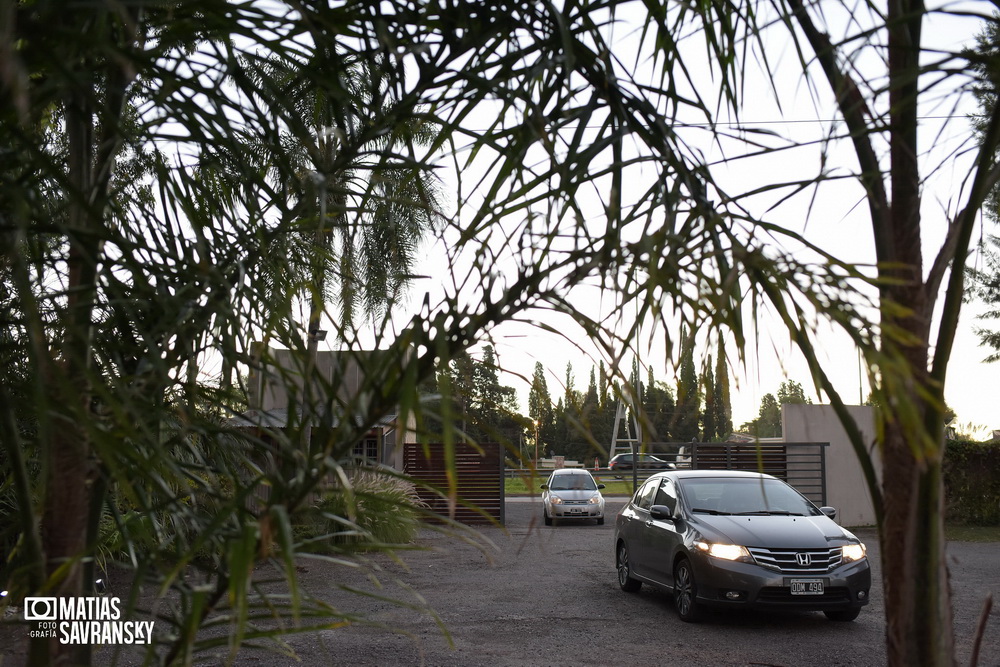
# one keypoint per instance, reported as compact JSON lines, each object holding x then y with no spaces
{"x":84,"y":620}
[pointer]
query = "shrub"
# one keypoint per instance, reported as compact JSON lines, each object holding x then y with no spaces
{"x":972,"y":482}
{"x":374,"y":508}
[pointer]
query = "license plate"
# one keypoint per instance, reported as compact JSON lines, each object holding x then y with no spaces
{"x":807,"y":586}
{"x":575,"y":510}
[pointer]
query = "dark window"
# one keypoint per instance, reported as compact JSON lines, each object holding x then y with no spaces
{"x":644,"y":498}
{"x":666,"y":495}
{"x":367,"y":449}
{"x":746,"y":495}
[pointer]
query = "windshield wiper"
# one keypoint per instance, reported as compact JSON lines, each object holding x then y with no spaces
{"x":715,"y":512}
{"x":769,"y":512}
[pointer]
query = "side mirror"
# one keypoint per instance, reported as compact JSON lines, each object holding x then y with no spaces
{"x":829,"y":511}
{"x":661,"y":513}
{"x":600,"y":486}
{"x":543,"y":486}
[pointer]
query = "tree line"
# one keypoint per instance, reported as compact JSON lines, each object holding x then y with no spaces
{"x":579,"y":422}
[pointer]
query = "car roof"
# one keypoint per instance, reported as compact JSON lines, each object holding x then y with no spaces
{"x":571,"y":471}
{"x":718,"y":474}
{"x":638,"y":454}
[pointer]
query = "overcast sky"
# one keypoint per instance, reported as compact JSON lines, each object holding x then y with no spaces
{"x":834,"y":218}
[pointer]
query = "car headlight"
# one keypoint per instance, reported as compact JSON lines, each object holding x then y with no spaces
{"x":853,"y":552}
{"x":725,"y":551}
{"x":595,"y":500}
{"x":555,"y":500}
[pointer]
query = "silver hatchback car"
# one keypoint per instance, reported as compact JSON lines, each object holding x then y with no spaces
{"x":572,"y":493}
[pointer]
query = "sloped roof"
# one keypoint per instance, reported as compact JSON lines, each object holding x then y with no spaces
{"x":278,"y":418}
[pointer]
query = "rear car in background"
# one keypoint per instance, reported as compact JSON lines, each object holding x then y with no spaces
{"x":622,"y":462}
{"x":720,"y":538}
{"x":572,"y":493}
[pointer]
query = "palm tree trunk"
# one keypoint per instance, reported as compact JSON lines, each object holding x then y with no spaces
{"x":67,"y":498}
{"x":316,"y":308}
{"x":917,"y":596}
{"x":71,"y":471}
{"x":915,"y":575}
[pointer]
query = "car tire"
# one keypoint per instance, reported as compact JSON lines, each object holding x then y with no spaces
{"x":686,"y":592}
{"x":843,"y":615}
{"x":548,"y":519}
{"x":625,"y":580}
{"x":600,"y":521}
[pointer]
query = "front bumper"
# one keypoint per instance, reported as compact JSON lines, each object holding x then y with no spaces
{"x":569,"y":511}
{"x":724,"y":583}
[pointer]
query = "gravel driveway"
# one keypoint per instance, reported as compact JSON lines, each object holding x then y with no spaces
{"x":549,"y":596}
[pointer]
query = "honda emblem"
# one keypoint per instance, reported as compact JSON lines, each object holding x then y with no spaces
{"x":804,"y":560}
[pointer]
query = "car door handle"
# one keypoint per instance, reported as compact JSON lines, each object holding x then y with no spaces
{"x":649,"y":522}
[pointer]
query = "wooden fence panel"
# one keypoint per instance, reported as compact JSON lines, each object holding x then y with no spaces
{"x":479,"y":472}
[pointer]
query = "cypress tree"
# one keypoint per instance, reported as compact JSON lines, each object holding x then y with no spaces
{"x":723,"y":407}
{"x":708,"y":423}
{"x":688,"y":413}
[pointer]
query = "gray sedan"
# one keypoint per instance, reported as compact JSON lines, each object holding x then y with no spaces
{"x":717,"y":538}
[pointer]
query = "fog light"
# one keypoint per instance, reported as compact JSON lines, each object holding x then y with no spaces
{"x":735,"y":595}
{"x":862,"y":595}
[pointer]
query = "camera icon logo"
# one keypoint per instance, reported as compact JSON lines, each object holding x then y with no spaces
{"x":40,"y":609}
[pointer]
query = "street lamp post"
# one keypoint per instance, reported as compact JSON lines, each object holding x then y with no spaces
{"x":536,"y":443}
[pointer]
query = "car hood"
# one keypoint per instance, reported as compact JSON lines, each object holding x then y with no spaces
{"x":801,"y":532}
{"x":571,"y":494}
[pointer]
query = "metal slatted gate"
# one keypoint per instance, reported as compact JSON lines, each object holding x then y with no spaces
{"x":480,"y":479}
{"x":801,"y":464}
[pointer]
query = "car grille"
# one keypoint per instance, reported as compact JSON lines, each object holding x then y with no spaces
{"x":576,"y":502}
{"x":788,"y":560}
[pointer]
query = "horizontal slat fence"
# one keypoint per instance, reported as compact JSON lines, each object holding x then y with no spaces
{"x":479,"y":472}
{"x":801,"y":464}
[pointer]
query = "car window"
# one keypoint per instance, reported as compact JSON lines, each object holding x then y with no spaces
{"x":705,"y":493}
{"x":644,"y":498}
{"x":572,"y":482}
{"x":745,"y":496}
{"x":666,"y":495}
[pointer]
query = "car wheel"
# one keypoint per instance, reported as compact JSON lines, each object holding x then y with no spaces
{"x":686,"y":592}
{"x":843,"y":615}
{"x":548,"y":519}
{"x":600,"y":522}
{"x":625,"y":580}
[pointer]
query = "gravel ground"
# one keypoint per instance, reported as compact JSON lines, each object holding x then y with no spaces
{"x":548,"y":596}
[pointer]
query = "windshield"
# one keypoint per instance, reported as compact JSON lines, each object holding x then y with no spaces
{"x":573,"y":483}
{"x":744,"y":496}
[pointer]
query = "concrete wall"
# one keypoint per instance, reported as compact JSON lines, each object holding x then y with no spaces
{"x":845,"y":483}
{"x":339,"y":389}
{"x":285,"y":368}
